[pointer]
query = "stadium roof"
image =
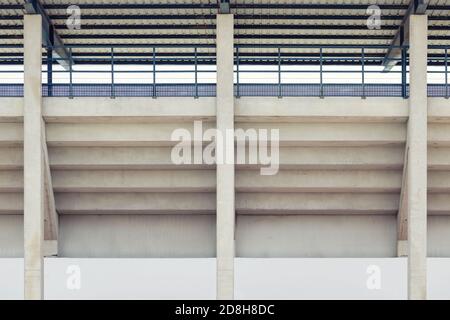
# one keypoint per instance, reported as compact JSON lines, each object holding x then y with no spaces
{"x":258,"y":23}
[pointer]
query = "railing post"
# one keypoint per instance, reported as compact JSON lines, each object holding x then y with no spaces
{"x":113,"y":91}
{"x":196,"y":79}
{"x":154,"y":74}
{"x":321,"y":73}
{"x":50,"y":71}
{"x":446,"y":74}
{"x":70,"y":75}
{"x":362,"y":74}
{"x":238,"y":94}
{"x":404,"y":87}
{"x":279,"y":72}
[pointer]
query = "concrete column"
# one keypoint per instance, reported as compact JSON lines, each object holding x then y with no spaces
{"x":417,"y":159}
{"x":225,"y":171}
{"x":33,"y":160}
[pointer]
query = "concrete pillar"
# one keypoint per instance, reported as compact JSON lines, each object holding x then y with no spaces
{"x":417,"y":159}
{"x":33,"y":160}
{"x":225,"y":171}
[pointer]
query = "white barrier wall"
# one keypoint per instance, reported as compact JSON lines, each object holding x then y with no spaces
{"x":11,"y":278}
{"x":321,"y":278}
{"x":130,"y":278}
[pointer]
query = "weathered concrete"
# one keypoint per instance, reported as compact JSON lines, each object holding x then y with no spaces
{"x":316,"y":236}
{"x":136,"y":203}
{"x":33,"y":160}
{"x":134,"y":181}
{"x":334,"y":134}
{"x":225,"y":172}
{"x":302,"y":109}
{"x":51,"y":216}
{"x":11,"y":134}
{"x":417,"y":159}
{"x":143,"y":110}
{"x":137,"y":236}
{"x":402,"y":214}
{"x":362,"y":181}
{"x":116,"y":134}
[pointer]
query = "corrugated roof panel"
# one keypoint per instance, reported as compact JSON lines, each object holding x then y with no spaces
{"x":187,"y":22}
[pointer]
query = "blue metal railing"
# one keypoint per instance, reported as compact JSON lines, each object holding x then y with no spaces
{"x":281,"y":71}
{"x":360,"y":62}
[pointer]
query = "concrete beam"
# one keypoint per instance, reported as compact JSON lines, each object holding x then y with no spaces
{"x":115,"y":134}
{"x":11,"y":203}
{"x":225,"y":172}
{"x":302,"y":109}
{"x":159,"y":134}
{"x":358,"y":181}
{"x":51,"y":216}
{"x":316,"y":203}
{"x":328,"y":158}
{"x":33,"y":161}
{"x":438,"y":158}
{"x":11,"y":181}
{"x":438,"y":181}
{"x":439,"y":134}
{"x":95,"y":158}
{"x":334,"y":134}
{"x":120,"y":110}
{"x":11,"y":134}
{"x":417,"y":159}
{"x":248,"y":109}
{"x":133,"y":181}
{"x":246,"y":203}
{"x":11,"y":109}
{"x":11,"y":158}
{"x":136,"y":203}
{"x":402,"y":214}
{"x":116,"y":158}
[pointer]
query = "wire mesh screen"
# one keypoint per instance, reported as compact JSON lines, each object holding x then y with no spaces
{"x":209,"y":90}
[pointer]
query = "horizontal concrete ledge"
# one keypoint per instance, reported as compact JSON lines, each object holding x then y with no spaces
{"x":246,"y":203}
{"x":128,"y":109}
{"x":438,"y":110}
{"x":294,"y":109}
{"x":288,"y":109}
{"x":97,"y":158}
{"x":11,"y":109}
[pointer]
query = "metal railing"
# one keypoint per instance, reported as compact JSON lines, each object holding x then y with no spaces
{"x":438,"y":80}
{"x":278,"y":71}
{"x":320,"y":71}
{"x":121,"y":73}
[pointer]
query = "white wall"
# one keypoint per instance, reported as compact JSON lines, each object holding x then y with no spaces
{"x":130,"y":278}
{"x":321,"y":278}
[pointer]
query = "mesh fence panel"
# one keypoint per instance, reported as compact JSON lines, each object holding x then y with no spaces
{"x":11,"y":90}
{"x":209,"y":90}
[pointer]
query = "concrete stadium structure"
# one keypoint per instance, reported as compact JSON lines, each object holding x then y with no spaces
{"x":92,"y":177}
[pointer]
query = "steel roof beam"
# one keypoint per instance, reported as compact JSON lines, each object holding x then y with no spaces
{"x":212,"y":27}
{"x":49,"y":37}
{"x":401,"y":38}
{"x":213,"y":17}
{"x":149,"y":6}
